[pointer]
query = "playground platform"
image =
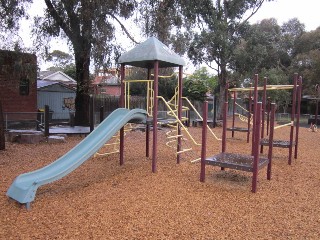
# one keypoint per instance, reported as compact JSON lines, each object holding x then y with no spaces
{"x":69,"y":130}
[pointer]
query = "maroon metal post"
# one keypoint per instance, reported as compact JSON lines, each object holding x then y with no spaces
{"x":147,"y":139}
{"x":122,"y":96}
{"x":233,"y":112}
{"x":2,"y":129}
{"x":122,"y":76}
{"x":249,"y":115}
{"x":179,"y":147}
{"x":256,"y":144}
{"x":204,"y":142}
{"x":224,"y":127}
{"x":255,"y":101}
{"x":273,"y":107}
{"x":46,"y":120}
{"x":268,"y":113}
{"x":155,"y":116}
{"x":148,"y":122}
{"x":101,"y":113}
{"x":91,"y":113}
{"x":264,"y":100}
{"x":316,"y":112}
{"x":294,"y":95}
{"x":298,"y":117}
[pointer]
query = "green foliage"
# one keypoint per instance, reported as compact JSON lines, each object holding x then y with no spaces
{"x":306,"y":60}
{"x":277,"y":76}
{"x":198,"y":84}
{"x":166,"y":85}
{"x":10,"y":13}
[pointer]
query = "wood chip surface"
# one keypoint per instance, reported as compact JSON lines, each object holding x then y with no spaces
{"x":102,"y":200}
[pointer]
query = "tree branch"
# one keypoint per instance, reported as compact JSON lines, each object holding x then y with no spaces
{"x":123,"y":28}
{"x":57,"y":18}
{"x":253,"y":12}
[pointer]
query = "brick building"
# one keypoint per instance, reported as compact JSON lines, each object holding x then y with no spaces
{"x":107,"y":82}
{"x":18,"y":83}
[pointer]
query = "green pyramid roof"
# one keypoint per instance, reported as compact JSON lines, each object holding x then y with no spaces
{"x":144,"y":55}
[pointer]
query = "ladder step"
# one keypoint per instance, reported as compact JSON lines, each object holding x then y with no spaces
{"x":184,"y":150}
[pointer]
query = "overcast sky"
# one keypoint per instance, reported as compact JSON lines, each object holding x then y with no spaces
{"x":307,"y":11}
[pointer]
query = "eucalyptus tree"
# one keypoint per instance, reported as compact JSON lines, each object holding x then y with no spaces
{"x":307,"y":59}
{"x":88,"y":26}
{"x":266,"y":45}
{"x":208,"y":30}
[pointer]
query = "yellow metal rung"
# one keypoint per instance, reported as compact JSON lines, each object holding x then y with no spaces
{"x":184,"y":150}
{"x":195,"y":160}
{"x":105,"y":154}
{"x":110,"y":144}
{"x":176,"y":136}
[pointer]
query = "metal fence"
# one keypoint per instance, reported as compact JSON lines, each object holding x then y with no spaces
{"x":23,"y":120}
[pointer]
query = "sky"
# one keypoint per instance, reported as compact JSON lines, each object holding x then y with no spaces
{"x":307,"y":11}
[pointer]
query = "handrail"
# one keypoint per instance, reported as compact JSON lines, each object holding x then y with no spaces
{"x":178,"y":120}
{"x":194,"y":109}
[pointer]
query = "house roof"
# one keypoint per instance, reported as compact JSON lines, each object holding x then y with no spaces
{"x":144,"y":55}
{"x":56,"y":76}
{"x":41,"y":84}
{"x":108,"y":80}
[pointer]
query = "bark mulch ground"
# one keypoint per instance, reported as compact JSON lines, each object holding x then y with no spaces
{"x":102,"y":200}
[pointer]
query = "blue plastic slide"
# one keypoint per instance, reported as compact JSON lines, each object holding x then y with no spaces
{"x":24,"y":187}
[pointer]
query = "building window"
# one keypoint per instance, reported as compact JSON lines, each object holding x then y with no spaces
{"x":24,"y":87}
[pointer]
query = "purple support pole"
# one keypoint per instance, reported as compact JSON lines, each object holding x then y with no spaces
{"x":233,"y":111}
{"x":264,"y":99}
{"x":46,"y":120}
{"x":268,"y":113}
{"x":91,"y":113}
{"x":255,"y":101}
{"x":273,"y":107}
{"x":122,"y":96}
{"x":147,"y":139}
{"x":148,"y":123}
{"x":155,"y":116}
{"x":316,"y":112}
{"x":293,"y":111}
{"x":204,"y":142}
{"x":224,"y":127}
{"x":298,"y":117}
{"x":249,"y":115}
{"x":179,"y":147}
{"x":101,"y":113}
{"x":256,"y":144}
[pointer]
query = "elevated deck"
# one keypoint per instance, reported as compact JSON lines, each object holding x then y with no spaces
{"x":277,"y":143}
{"x":236,"y":161}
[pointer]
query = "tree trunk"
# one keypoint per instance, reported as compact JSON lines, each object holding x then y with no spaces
{"x":2,"y":137}
{"x":82,"y":59}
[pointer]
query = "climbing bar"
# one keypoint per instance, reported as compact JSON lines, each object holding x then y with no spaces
{"x":284,"y":125}
{"x":268,"y":87}
{"x":194,"y":109}
{"x":178,"y":120}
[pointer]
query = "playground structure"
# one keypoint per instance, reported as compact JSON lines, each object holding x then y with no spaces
{"x":249,"y":163}
{"x":295,"y":118}
{"x":247,"y":119}
{"x":149,"y":54}
{"x":296,"y":89}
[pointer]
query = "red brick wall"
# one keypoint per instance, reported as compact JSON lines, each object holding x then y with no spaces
{"x":13,"y":67}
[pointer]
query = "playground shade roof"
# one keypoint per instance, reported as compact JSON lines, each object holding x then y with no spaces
{"x":144,"y":55}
